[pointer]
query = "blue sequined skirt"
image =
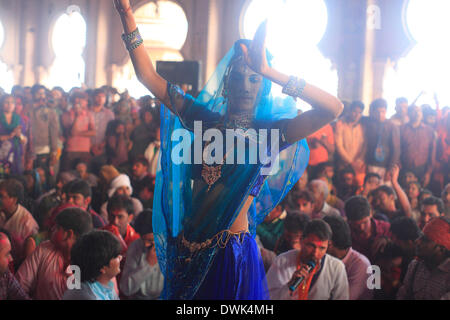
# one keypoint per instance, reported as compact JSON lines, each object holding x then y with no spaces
{"x":237,"y":273}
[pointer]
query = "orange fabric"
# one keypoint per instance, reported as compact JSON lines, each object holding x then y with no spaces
{"x":303,"y":289}
{"x":318,"y":153}
{"x":438,"y":231}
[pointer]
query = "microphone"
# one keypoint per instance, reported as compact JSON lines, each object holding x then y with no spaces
{"x":310,"y":265}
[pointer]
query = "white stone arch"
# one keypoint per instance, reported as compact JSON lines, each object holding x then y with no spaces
{"x":164,"y":28}
{"x":6,"y":75}
{"x":294,"y":31}
{"x":68,"y":38}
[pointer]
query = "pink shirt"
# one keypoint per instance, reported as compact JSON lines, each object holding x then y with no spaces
{"x":78,"y":143}
{"x":356,"y":266}
{"x":43,"y":274}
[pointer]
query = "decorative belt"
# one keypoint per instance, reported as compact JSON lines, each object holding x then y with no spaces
{"x":220,"y":240}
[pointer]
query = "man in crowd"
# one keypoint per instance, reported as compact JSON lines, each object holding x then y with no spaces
{"x":293,"y":228}
{"x":120,"y":214}
{"x":121,"y":185}
{"x":327,"y":280}
{"x":386,"y":196}
{"x":271,"y":229}
{"x":102,"y":116}
{"x":432,"y":207}
{"x":404,"y":233}
{"x":44,"y":273}
{"x":350,"y":142}
{"x":416,"y":157}
{"x":302,"y":201}
{"x":79,"y":128}
{"x":79,"y":194}
{"x":320,"y":192}
{"x":139,"y":173}
{"x":45,"y":128}
{"x":428,"y":278}
{"x":383,"y":139}
{"x":401,"y":112}
{"x":10,"y":288}
{"x":366,"y":231}
{"x":355,"y":263}
{"x":15,"y":218}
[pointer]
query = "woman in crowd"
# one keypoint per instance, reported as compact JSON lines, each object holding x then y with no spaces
{"x":12,"y":138}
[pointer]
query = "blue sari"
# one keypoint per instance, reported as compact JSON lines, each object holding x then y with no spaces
{"x":191,"y":218}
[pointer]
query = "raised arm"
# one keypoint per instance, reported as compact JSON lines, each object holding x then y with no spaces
{"x":143,"y":66}
{"x":326,"y":107}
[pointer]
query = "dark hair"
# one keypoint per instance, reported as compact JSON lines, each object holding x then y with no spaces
{"x":144,"y":222}
{"x":141,"y":159}
{"x":401,"y":100}
{"x":13,"y":188}
{"x":342,"y":238}
{"x":377,"y":104}
{"x":75,"y":219}
{"x":120,"y":202}
{"x":390,"y":251}
{"x":356,"y":104}
{"x":296,"y":221}
{"x":98,"y":91}
{"x":357,"y":208}
{"x":36,"y":88}
{"x":80,"y":186}
{"x":416,"y":183}
{"x":386,"y":189}
{"x":405,"y":229}
{"x":93,"y":251}
{"x":434,"y":201}
{"x":79,"y":95}
{"x":371,"y":175}
{"x":319,"y":228}
{"x":297,"y":195}
{"x":46,"y":205}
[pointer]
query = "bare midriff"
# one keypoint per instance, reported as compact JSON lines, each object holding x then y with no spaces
{"x":241,"y":222}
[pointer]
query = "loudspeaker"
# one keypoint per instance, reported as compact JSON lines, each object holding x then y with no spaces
{"x":181,"y":73}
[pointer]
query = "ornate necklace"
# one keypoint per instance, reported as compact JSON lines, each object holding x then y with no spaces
{"x":211,"y":174}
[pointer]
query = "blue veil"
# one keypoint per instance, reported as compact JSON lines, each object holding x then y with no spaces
{"x":185,"y":221}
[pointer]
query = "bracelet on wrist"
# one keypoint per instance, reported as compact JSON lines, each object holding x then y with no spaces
{"x":132,"y":40}
{"x":294,"y":87}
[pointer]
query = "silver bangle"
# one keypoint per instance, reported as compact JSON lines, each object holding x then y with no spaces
{"x":294,"y":87}
{"x":132,"y":40}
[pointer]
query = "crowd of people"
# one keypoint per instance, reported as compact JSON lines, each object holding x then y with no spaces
{"x":78,"y":167}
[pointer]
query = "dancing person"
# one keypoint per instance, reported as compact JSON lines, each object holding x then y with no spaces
{"x":194,"y":246}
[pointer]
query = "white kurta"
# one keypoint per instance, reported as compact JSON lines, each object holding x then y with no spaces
{"x":331,"y":284}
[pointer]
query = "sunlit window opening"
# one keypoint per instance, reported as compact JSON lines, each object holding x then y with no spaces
{"x":68,"y":41}
{"x":6,"y":75}
{"x":425,"y":71}
{"x":295,"y":27}
{"x":164,"y":27}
